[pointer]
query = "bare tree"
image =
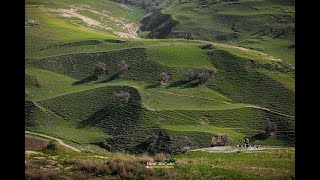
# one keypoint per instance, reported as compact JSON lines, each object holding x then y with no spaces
{"x":100,"y":69}
{"x":123,"y":67}
{"x":164,"y":77}
{"x":189,"y":75}
{"x":122,"y":96}
{"x":271,"y":128}
{"x":220,"y":140}
{"x":205,"y":74}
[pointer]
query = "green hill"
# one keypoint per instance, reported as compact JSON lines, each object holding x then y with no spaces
{"x":254,"y":81}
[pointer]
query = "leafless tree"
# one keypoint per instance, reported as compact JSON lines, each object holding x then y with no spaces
{"x":164,"y":77}
{"x":220,"y":140}
{"x":122,"y":96}
{"x":205,"y":74}
{"x":271,"y":128}
{"x":123,"y":67}
{"x":100,"y":69}
{"x":189,"y":75}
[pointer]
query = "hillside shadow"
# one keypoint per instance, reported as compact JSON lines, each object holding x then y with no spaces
{"x":85,"y":80}
{"x":192,"y":84}
{"x":180,"y":83}
{"x":94,"y":119}
{"x":156,"y":85}
{"x":111,"y":78}
{"x":260,"y":136}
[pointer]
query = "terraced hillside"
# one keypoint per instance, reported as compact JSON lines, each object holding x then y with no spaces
{"x":65,"y":99}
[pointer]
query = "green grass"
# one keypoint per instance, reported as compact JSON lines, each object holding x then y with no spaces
{"x":261,"y":22}
{"x":256,"y":165}
{"x":235,"y":136}
{"x":179,"y":56}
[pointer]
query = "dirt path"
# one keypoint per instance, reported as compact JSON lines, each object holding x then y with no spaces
{"x":53,"y":138}
{"x":47,"y":111}
{"x":272,"y":111}
{"x":269,"y":57}
{"x":229,"y":149}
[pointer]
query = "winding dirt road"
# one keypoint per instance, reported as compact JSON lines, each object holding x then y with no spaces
{"x":53,"y":138}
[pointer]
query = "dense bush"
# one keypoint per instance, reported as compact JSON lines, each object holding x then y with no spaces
{"x":221,"y":140}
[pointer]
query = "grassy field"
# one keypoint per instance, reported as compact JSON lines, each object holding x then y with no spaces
{"x":266,"y":164}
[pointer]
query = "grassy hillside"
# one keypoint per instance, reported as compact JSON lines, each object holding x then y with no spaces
{"x":64,"y":99}
{"x":264,"y":25}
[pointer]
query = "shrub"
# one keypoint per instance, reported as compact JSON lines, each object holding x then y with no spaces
{"x":123,"y":67}
{"x":159,"y":157}
{"x":164,"y":77}
{"x":220,"y":140}
{"x":205,"y":74}
{"x":123,"y":96}
{"x":145,"y":158}
{"x":42,"y":174}
{"x":189,"y":75}
{"x":271,"y":128}
{"x":100,"y":69}
{"x":52,"y":146}
{"x":207,"y":46}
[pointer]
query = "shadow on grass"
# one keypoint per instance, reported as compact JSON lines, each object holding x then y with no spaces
{"x":261,"y":136}
{"x":156,"y":85}
{"x":180,"y":83}
{"x":192,"y":84}
{"x":85,"y":80}
{"x":94,"y":119}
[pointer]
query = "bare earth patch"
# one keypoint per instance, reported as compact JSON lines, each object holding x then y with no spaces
{"x":128,"y":29}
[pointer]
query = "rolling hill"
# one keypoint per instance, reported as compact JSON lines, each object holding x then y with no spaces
{"x":254,"y":81}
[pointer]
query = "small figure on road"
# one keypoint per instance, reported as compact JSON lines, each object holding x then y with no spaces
{"x":246,"y":142}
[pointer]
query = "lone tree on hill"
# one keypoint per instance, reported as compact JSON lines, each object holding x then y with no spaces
{"x":122,"y":96}
{"x":271,"y":128}
{"x":164,"y":77}
{"x":123,"y":67}
{"x":100,"y":69}
{"x":205,"y":74}
{"x":189,"y":75}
